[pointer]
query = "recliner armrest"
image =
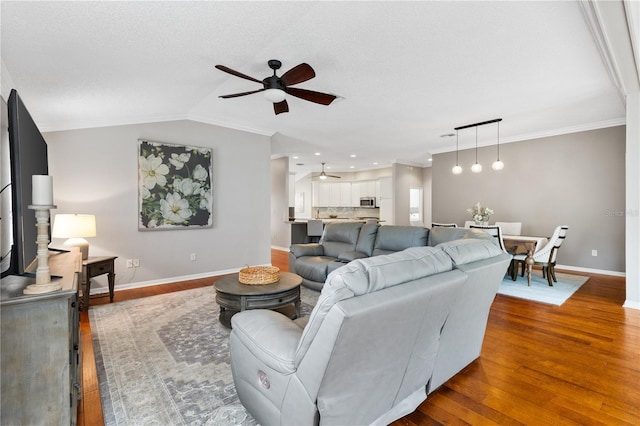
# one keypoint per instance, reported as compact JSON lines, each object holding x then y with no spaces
{"x":311,"y":249}
{"x":270,"y":336}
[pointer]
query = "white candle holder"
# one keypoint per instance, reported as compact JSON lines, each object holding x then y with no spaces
{"x":43,"y":275}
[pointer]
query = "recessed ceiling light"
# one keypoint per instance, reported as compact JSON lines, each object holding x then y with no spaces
{"x":295,"y":157}
{"x":352,"y":167}
{"x":317,"y":153}
{"x":353,"y":156}
{"x":375,"y":164}
{"x":430,"y":159}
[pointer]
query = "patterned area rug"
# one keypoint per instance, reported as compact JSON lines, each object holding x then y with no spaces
{"x":164,"y":360}
{"x":540,"y":291}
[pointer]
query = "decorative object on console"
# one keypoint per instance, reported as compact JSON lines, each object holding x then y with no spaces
{"x":480,"y":214}
{"x":42,"y":199}
{"x":477,"y":167}
{"x":75,"y":227}
{"x":174,"y":186}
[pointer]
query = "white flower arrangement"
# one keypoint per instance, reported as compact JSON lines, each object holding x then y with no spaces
{"x":479,"y":213}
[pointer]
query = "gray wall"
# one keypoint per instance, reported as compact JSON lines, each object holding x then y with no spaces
{"x":95,"y":171}
{"x":576,"y":179}
{"x":280,"y":228}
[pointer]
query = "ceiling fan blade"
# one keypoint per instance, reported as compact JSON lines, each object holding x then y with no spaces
{"x":333,"y":176}
{"x":236,"y":73}
{"x":281,"y":107}
{"x":310,"y":95}
{"x":235,"y":95}
{"x":298,"y":74}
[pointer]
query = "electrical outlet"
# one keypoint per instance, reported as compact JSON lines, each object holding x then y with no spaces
{"x":129,"y":263}
{"x":136,"y":263}
{"x":594,"y":252}
{"x":194,"y":257}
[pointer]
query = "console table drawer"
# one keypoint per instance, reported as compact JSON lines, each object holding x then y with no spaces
{"x":96,"y":269}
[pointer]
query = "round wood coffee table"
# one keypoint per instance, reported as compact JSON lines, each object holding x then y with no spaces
{"x":233,"y":297}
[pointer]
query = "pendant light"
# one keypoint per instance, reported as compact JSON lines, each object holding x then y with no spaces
{"x":476,"y":168}
{"x":456,"y":169}
{"x":498,"y":165}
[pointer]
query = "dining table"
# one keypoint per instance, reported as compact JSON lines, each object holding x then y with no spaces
{"x":523,"y":244}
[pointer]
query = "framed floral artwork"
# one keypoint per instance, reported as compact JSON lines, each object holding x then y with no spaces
{"x":174,"y":186}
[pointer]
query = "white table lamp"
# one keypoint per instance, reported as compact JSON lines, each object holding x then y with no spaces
{"x":75,"y":227}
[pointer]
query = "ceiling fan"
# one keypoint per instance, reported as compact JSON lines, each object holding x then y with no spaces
{"x":323,"y":175}
{"x":275,"y":87}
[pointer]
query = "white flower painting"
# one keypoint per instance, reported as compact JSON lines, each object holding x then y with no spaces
{"x":174,"y":186}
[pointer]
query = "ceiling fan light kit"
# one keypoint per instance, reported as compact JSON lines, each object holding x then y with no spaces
{"x":477,"y":167}
{"x":276,"y":88}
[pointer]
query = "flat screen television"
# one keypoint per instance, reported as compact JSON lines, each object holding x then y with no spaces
{"x":28,"y":157}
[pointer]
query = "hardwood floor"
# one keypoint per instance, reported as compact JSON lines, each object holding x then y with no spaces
{"x":575,"y":364}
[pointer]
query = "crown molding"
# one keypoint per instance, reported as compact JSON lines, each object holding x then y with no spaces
{"x":549,"y":133}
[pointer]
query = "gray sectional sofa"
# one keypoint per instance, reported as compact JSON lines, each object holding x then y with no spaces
{"x":386,"y":331}
{"x":343,"y":242}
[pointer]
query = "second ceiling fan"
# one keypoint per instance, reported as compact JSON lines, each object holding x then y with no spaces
{"x":276,"y":87}
{"x":323,"y":175}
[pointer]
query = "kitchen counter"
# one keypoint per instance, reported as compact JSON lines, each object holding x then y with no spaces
{"x":299,"y":227}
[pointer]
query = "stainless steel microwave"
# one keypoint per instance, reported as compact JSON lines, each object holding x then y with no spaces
{"x":368,"y":202}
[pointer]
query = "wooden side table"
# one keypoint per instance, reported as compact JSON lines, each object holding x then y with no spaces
{"x":94,"y":266}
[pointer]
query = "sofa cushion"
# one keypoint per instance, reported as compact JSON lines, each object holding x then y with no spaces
{"x":314,"y":268}
{"x":311,"y":249}
{"x":470,"y":250}
{"x":391,"y":239}
{"x":400,"y":267}
{"x":439,"y":235}
{"x":348,"y":256}
{"x":370,"y":275}
{"x":367,"y":238}
{"x":340,"y":237}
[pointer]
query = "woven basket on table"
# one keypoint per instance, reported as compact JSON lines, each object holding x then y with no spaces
{"x":256,"y":275}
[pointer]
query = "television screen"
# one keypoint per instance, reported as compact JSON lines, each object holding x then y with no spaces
{"x":28,"y":157}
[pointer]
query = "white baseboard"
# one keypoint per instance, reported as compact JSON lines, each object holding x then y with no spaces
{"x":162,"y":281}
{"x":280,"y":248}
{"x":591,"y":271}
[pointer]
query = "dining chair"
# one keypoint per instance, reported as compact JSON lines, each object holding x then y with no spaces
{"x":468,"y":223}
{"x":492,"y":230}
{"x":546,"y":256}
{"x":444,"y":225}
{"x":510,"y":228}
{"x":315,"y":227}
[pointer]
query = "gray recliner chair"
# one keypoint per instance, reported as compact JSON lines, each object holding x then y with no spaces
{"x":369,"y":349}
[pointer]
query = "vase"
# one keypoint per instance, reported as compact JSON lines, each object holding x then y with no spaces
{"x":482,"y":223}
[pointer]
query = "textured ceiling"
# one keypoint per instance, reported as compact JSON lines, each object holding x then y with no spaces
{"x":407,"y":72}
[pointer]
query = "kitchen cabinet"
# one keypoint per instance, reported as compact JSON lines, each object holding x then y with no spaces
{"x":331,"y":194}
{"x":365,"y":188}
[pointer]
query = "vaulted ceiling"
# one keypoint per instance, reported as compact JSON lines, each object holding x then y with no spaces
{"x":406,"y":72}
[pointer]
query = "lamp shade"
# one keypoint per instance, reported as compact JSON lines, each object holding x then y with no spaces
{"x":74,"y":226}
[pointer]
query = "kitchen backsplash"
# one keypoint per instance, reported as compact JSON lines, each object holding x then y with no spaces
{"x":345,"y":212}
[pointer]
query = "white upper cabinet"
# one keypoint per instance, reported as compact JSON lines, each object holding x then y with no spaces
{"x":331,"y":194}
{"x":343,"y":194}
